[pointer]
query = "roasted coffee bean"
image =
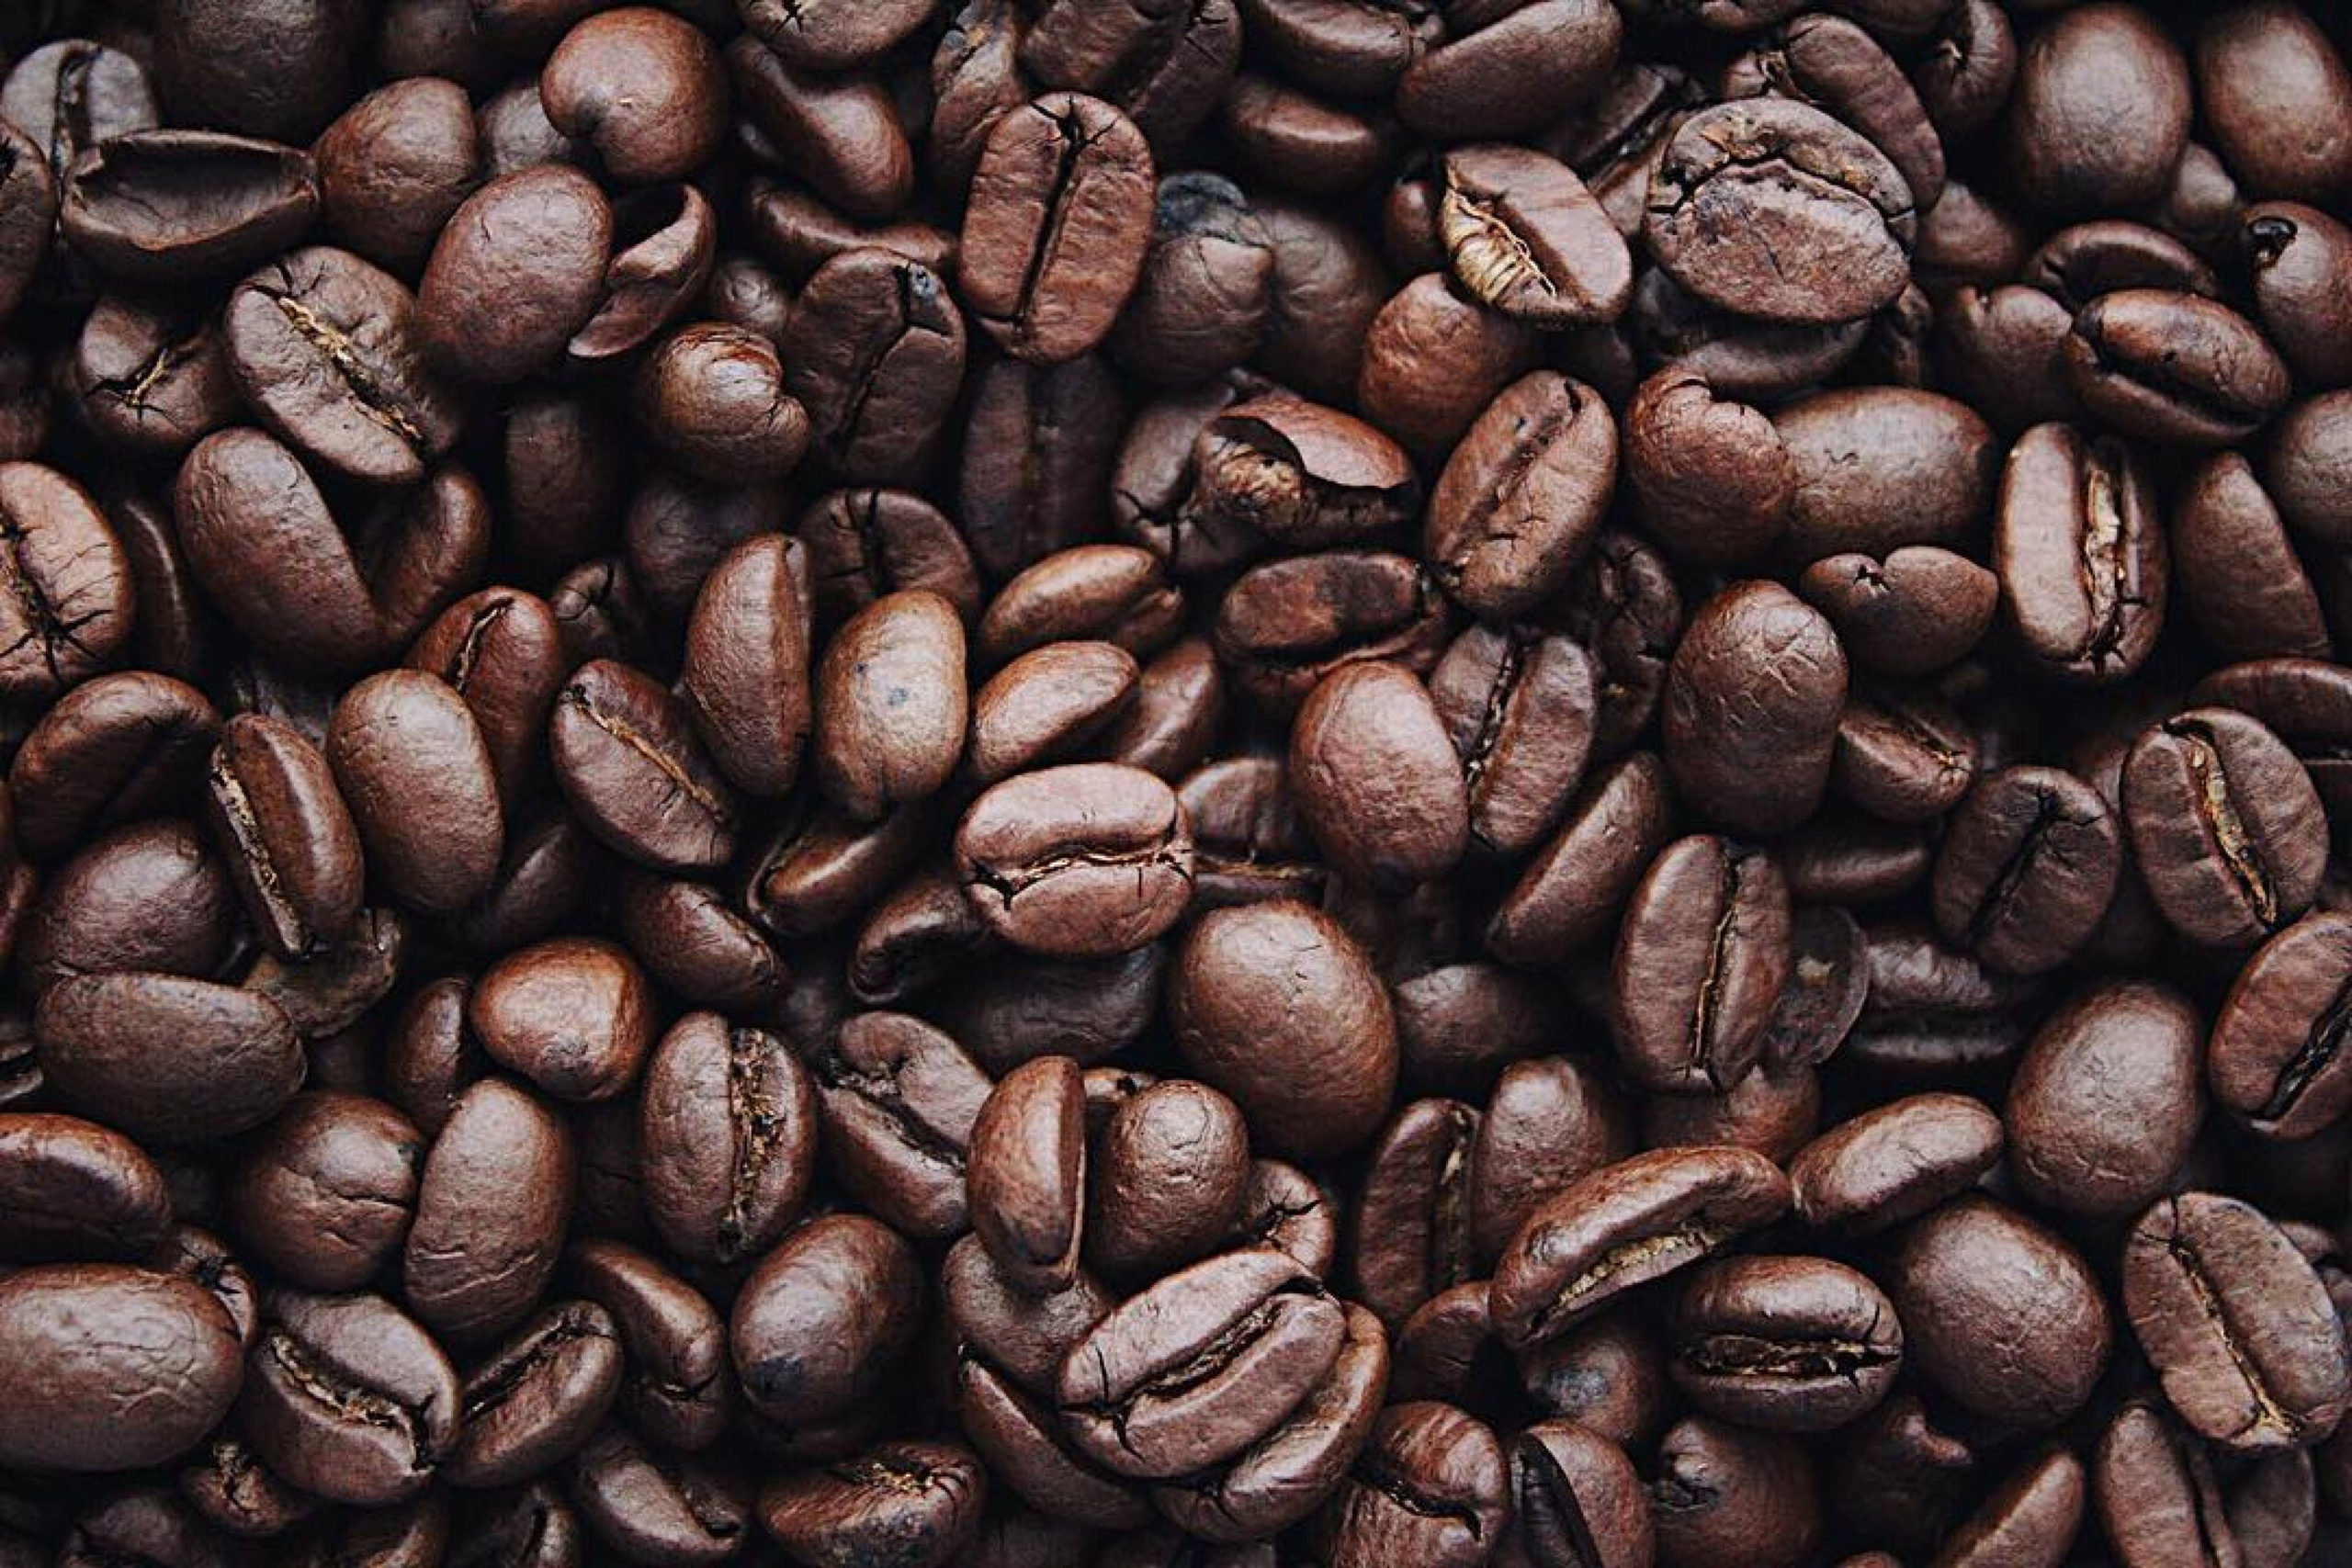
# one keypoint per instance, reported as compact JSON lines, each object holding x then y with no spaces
{"x":1083,"y":861}
{"x":116,"y":748}
{"x":2272,"y":1057}
{"x":323,"y":345}
{"x":491,"y":1208}
{"x":1894,"y":1163}
{"x":1056,"y":231}
{"x":1200,"y":1366}
{"x":411,"y":765}
{"x":1772,"y":208}
{"x":1277,"y":1005}
{"x":1786,"y":1344}
{"x":2225,"y":825}
{"x":2100,"y":111}
{"x":918,"y":1502}
{"x":1702,"y":953}
{"x":820,"y":1322}
{"x":2239,"y":1328}
{"x":156,"y":208}
{"x":2000,"y":1314}
{"x":166,"y":1057}
{"x":2174,"y":367}
{"x":324,"y":1194}
{"x":1431,"y":1485}
{"x":631,"y":769}
{"x":348,"y":1397}
{"x":1521,"y":497}
{"x":2028,"y":869}
{"x":1751,"y":708}
{"x":519,"y":268}
{"x":1624,"y":1226}
{"x":727,"y":1139}
{"x":899,"y":1099}
{"x":535,"y":1399}
{"x":1027,"y":1177}
{"x":109,"y":1368}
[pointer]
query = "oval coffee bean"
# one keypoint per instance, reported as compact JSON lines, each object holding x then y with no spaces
{"x":1624,"y":1226}
{"x":1027,"y":1171}
{"x":2027,"y":866}
{"x":727,"y":1139}
{"x":108,"y":1367}
{"x":166,"y":1057}
{"x":2250,"y":1349}
{"x":1084,"y":861}
{"x":2226,"y":827}
{"x":1702,"y":954}
{"x":1521,"y":497}
{"x":2277,"y":1054}
{"x":1783,"y":1344}
{"x":1057,"y":228}
{"x":1752,"y":700}
{"x":1201,"y":1365}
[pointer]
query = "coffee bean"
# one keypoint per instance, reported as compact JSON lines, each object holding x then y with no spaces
{"x":1083,"y":861}
{"x":1999,"y":1313}
{"x":1055,"y":232}
{"x":157,"y":206}
{"x":1788,"y":1344}
{"x":726,"y":1138}
{"x":109,"y":1367}
{"x":348,"y":1397}
{"x":2239,"y":1328}
{"x":1624,"y":1226}
{"x":2240,"y":858}
{"x":1841,"y":219}
{"x":1200,"y":1366}
{"x":1751,"y":705}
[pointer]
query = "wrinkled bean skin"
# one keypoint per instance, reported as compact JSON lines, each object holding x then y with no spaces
{"x":115,"y":1366}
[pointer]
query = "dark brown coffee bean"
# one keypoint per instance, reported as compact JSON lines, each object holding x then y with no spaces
{"x":491,"y":1212}
{"x":1506,"y":69}
{"x":915,"y":1503}
{"x":2100,"y":111}
{"x":2261,"y":68}
{"x":1895,"y":1162}
{"x":1431,"y":1485}
{"x":891,"y":704}
{"x":2080,"y":554}
{"x":2225,"y":825}
{"x":643,"y":88}
{"x":2174,"y":367}
{"x":166,"y":1057}
{"x":1082,"y":861}
{"x":1057,"y":228}
{"x":1752,"y":700}
{"x":324,"y":347}
{"x":863,"y":543}
{"x":71,"y":1189}
{"x":114,"y":748}
{"x":2273,"y":1059}
{"x":630,"y":767}
{"x":1624,"y":1226}
{"x":285,"y":834}
{"x":1434,"y":360}
{"x":1772,"y":209}
{"x":1285,"y":624}
{"x":727,"y":1138}
{"x":324,"y":1194}
{"x":876,"y":354}
{"x":2028,"y":868}
{"x":410,"y":762}
{"x":899,"y":1099}
{"x":1200,"y":1366}
{"x":109,"y":1368}
{"x":1375,"y":777}
{"x":393,"y":167}
{"x":346,"y":1397}
{"x":2238,"y":1325}
{"x":1702,"y":953}
{"x":677,"y":1387}
{"x":158,"y":207}
{"x":574,"y":1015}
{"x":537,"y":1398}
{"x":1525,"y":235}
{"x":2106,"y":1099}
{"x":1278,"y":1007}
{"x":1999,"y":1313}
{"x":69,"y":603}
{"x":1783,"y":1344}
{"x":1519,"y":500}
{"x":1027,"y":1176}
{"x":1296,"y":472}
{"x":1879,"y":468}
{"x":822,"y":1322}
{"x":518,"y":269}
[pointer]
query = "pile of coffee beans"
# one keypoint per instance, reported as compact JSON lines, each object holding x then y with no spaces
{"x":1176,"y":783}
